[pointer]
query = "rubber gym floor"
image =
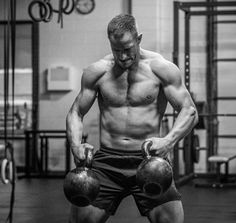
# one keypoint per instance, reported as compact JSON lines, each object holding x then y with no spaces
{"x":42,"y":200}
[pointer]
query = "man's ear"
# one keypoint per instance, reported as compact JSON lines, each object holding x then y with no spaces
{"x":139,"y":38}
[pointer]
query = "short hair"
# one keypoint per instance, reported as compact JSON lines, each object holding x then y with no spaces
{"x":120,"y":24}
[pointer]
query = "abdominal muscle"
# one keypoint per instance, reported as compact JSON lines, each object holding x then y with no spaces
{"x":126,"y":128}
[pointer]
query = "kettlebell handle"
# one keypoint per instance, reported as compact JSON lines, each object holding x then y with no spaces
{"x":88,"y":157}
{"x":146,"y":148}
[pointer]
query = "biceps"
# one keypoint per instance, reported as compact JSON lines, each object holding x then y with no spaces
{"x":178,"y":96}
{"x":84,"y":101}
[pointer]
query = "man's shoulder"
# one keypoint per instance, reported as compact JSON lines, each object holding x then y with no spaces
{"x":163,"y":68}
{"x":97,"y":69}
{"x":150,"y":55}
{"x":155,"y":60}
{"x":99,"y":66}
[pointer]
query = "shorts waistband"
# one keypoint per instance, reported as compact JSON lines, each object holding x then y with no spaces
{"x":120,"y":152}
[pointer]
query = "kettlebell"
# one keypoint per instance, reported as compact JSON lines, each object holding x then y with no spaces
{"x":81,"y":186}
{"x":154,"y":174}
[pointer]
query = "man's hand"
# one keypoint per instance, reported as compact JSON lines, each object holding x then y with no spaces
{"x":160,"y":146}
{"x":79,"y":152}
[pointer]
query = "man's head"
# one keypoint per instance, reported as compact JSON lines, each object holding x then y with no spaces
{"x":124,"y":39}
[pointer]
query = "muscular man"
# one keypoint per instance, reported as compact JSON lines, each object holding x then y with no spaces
{"x":132,"y":86}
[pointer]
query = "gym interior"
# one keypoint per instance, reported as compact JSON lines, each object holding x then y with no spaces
{"x":44,"y":47}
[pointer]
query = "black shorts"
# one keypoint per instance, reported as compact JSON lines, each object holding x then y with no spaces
{"x":116,"y":170}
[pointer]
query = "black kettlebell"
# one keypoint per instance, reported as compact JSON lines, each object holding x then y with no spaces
{"x":81,"y":186}
{"x":154,"y":174}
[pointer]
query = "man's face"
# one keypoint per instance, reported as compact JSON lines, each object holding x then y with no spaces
{"x":125,"y":49}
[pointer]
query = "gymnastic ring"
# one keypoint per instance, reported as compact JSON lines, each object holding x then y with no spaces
{"x":49,"y":11}
{"x":30,"y":7}
{"x":7,"y":164}
{"x":64,"y":9}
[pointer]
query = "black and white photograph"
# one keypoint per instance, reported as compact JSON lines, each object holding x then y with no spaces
{"x":117,"y":111}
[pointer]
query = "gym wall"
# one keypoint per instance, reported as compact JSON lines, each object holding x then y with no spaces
{"x":83,"y":40}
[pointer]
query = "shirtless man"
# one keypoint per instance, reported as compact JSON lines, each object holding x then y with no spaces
{"x":132,"y":86}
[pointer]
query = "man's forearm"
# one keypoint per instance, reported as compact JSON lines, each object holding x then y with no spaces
{"x":74,"y":128}
{"x":184,"y":123}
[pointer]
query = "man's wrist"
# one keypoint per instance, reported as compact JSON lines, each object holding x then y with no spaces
{"x":75,"y":146}
{"x":171,"y":140}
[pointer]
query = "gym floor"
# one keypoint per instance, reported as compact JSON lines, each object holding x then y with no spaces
{"x":42,"y":200}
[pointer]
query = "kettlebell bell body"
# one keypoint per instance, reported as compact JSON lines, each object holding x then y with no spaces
{"x":81,"y":186}
{"x":154,"y":174}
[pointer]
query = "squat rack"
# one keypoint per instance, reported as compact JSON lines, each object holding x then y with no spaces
{"x":212,"y":9}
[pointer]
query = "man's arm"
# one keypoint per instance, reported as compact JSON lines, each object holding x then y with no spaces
{"x":179,"y":97}
{"x":81,"y":105}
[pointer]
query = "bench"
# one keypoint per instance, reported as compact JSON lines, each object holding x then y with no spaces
{"x":222,"y":180}
{"x":221,"y":160}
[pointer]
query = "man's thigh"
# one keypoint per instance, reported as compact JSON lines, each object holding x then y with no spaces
{"x":170,"y":212}
{"x":88,"y":214}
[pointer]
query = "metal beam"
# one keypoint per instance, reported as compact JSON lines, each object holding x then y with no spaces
{"x":225,"y":98}
{"x":224,"y":59}
{"x":225,"y":22}
{"x":176,"y":62}
{"x":207,"y":4}
{"x":225,"y":136}
{"x":187,"y":50}
{"x":176,"y":34}
{"x":211,"y":81}
{"x":212,"y":13}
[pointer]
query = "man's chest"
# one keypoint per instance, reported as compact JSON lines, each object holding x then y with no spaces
{"x":135,"y":90}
